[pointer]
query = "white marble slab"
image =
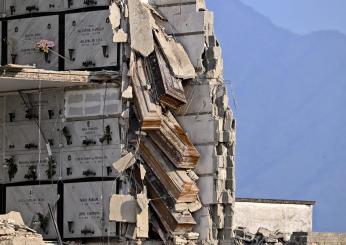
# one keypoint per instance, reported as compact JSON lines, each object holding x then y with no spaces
{"x":24,"y":161}
{"x":47,"y":105}
{"x":23,"y":34}
{"x":78,"y":162}
{"x":91,"y":130}
{"x":83,"y":209}
{"x":21,"y":7}
{"x":31,"y":200}
{"x":75,"y":4}
{"x":18,"y":134}
{"x":89,"y":41}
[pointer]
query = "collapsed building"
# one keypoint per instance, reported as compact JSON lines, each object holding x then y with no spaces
{"x":115,"y":124}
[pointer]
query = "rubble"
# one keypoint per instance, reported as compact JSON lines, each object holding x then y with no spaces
{"x":262,"y":236}
{"x":13,"y":231}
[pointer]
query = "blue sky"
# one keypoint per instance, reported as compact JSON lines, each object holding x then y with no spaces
{"x":303,"y":16}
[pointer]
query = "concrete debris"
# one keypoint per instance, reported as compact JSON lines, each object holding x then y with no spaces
{"x":114,"y":16}
{"x":124,"y":163}
{"x":176,"y":56}
{"x":123,"y":208}
{"x":13,"y":231}
{"x":120,"y":36}
{"x":142,"y":226}
{"x":262,"y":236}
{"x":127,"y":93}
{"x":141,"y":34}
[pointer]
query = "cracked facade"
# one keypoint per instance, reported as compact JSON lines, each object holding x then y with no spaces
{"x":124,"y":130}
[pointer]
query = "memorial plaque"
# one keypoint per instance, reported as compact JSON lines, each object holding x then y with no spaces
{"x":32,"y":166}
{"x":24,"y":34}
{"x":75,"y":4}
{"x":32,"y":203}
{"x":97,"y":162}
{"x":92,"y":102}
{"x":47,"y":106}
{"x":90,"y":133}
{"x":20,"y":7}
{"x":89,"y":41}
{"x":24,"y":136}
{"x":85,"y":213}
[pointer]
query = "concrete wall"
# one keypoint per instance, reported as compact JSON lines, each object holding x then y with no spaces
{"x":318,"y":238}
{"x":286,"y":217}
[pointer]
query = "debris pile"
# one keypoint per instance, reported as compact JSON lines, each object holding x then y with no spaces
{"x":13,"y":231}
{"x":262,"y":236}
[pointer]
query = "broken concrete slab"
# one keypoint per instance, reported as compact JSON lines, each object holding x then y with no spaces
{"x":120,"y":36}
{"x":140,"y":28}
{"x":114,"y":16}
{"x":124,"y":163}
{"x":13,"y":217}
{"x":176,"y":56}
{"x":142,"y":225}
{"x":123,"y":208}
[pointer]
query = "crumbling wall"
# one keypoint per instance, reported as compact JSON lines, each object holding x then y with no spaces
{"x":146,"y":155}
{"x":287,"y":217}
{"x":318,"y":238}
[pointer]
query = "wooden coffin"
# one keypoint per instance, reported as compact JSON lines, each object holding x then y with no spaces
{"x":173,"y":141}
{"x":169,"y":89}
{"x":177,"y":183}
{"x":149,"y":112}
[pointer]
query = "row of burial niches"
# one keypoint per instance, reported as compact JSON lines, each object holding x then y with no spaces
{"x":59,"y":133}
{"x":85,"y":208}
{"x":83,"y":40}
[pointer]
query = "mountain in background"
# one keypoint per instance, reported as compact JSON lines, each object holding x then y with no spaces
{"x":291,"y":113}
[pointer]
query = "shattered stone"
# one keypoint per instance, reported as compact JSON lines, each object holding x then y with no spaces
{"x":123,"y":208}
{"x":176,"y":56}
{"x":140,"y":28}
{"x":120,"y":36}
{"x":124,"y":163}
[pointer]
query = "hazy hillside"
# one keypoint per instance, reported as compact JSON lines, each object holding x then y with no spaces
{"x":291,"y":93}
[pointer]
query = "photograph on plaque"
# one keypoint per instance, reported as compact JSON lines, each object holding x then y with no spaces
{"x":34,"y":41}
